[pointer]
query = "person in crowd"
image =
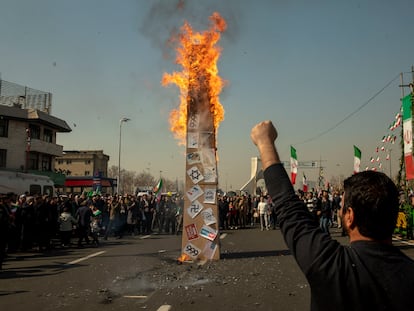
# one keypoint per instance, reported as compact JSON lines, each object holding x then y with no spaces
{"x":122,"y":216}
{"x":263,"y":209}
{"x":66,"y":224}
{"x":161,"y":207}
{"x":83,"y":217}
{"x":170,"y":215}
{"x":223,"y":209}
{"x":369,"y":274}
{"x":96,"y":224}
{"x":5,"y":222}
{"x":111,"y":211}
{"x":336,"y":206}
{"x":325,"y":212}
{"x":42,"y":223}
{"x":255,"y":216}
{"x":132,"y":216}
{"x":25,"y":222}
{"x":232,"y":215}
{"x":243,"y":209}
{"x":148,"y":209}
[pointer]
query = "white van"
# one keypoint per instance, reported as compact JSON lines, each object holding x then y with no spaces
{"x":31,"y":184}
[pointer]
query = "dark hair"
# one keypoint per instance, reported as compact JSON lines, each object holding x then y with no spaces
{"x":374,"y":199}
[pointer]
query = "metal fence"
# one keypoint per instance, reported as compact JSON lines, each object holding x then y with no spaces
{"x":15,"y":95}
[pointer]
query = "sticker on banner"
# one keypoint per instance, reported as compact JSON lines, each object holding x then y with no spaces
{"x":209,"y":249}
{"x":192,"y":250}
{"x":191,"y":231}
{"x":208,"y":216}
{"x":194,"y":208}
{"x":210,"y":174}
{"x":194,"y":192}
{"x":208,"y":233}
{"x":193,"y":122}
{"x":210,"y":196}
{"x":194,"y":157}
{"x":192,"y":140}
{"x":195,"y":175}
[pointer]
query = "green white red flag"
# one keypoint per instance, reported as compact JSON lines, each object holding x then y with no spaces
{"x":305,"y":183}
{"x":408,"y":137}
{"x":357,"y":159}
{"x":293,"y":165}
{"x":158,"y":189}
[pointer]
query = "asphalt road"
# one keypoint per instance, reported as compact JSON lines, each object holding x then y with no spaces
{"x":256,"y":272}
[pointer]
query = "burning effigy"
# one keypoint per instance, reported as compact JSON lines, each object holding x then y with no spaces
{"x":195,"y":125}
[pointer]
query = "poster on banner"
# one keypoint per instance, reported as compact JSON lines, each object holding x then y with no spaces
{"x":192,"y":140}
{"x":192,"y":250}
{"x":194,"y":158}
{"x":194,"y":208}
{"x":210,"y":196}
{"x":193,"y":122}
{"x":210,"y":174}
{"x":210,"y":249}
{"x":191,"y":231}
{"x":208,"y":217}
{"x":194,"y":192}
{"x":208,"y":233}
{"x":195,"y":175}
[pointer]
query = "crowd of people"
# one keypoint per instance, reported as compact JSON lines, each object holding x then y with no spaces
{"x":40,"y":223}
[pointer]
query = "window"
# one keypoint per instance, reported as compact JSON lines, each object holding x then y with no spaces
{"x":60,"y":161}
{"x":68,"y":161}
{"x":34,"y":131}
{"x":35,"y":189}
{"x":47,"y":135}
{"x":3,"y":157}
{"x":46,"y":163}
{"x":33,"y":161}
{"x":4,"y":127}
{"x":87,"y":173}
{"x":87,"y":161}
{"x":48,"y":190}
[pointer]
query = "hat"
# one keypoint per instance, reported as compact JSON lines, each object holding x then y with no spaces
{"x":22,"y":196}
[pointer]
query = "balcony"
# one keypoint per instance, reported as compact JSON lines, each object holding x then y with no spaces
{"x":37,"y":145}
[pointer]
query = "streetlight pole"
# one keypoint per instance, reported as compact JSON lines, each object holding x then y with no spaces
{"x":118,"y":182}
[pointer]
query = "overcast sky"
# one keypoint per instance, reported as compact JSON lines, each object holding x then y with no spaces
{"x":306,"y":65}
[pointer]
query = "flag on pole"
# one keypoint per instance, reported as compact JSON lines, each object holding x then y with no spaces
{"x":408,"y":137}
{"x":157,"y":189}
{"x":357,"y":159}
{"x":305,"y":183}
{"x":293,"y":165}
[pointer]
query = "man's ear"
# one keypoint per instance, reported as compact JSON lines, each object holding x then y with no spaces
{"x":349,"y":218}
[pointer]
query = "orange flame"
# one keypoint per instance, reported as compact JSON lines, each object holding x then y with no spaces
{"x":183,"y":258}
{"x":197,"y":54}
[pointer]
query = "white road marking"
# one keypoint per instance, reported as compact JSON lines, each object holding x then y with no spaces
{"x":135,"y":296}
{"x":85,"y":258}
{"x":164,"y":308}
{"x":145,"y":237}
{"x":402,"y":241}
{"x":222,"y":236}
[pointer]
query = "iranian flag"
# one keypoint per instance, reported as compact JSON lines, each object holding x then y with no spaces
{"x":305,"y":183}
{"x":293,"y":165}
{"x":157,"y":189}
{"x":357,"y":159}
{"x":408,"y":137}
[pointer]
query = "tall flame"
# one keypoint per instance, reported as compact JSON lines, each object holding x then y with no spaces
{"x":197,"y":54}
